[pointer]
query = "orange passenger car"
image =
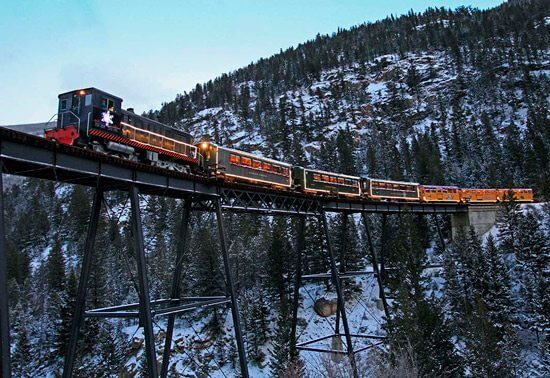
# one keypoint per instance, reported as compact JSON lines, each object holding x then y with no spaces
{"x":430,"y":193}
{"x":520,"y":195}
{"x":481,"y":195}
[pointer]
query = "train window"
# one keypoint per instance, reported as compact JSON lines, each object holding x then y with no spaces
{"x":75,"y":103}
{"x":168,"y":144}
{"x":64,"y":104}
{"x":317,"y":177}
{"x":88,"y":100}
{"x":276,"y":169}
{"x":340,"y":180}
{"x":246,"y":161}
{"x":325,"y":178}
{"x":234,"y":159}
{"x":266,"y":167}
{"x":256,"y":164}
{"x":285,"y":171}
{"x":107,"y":104}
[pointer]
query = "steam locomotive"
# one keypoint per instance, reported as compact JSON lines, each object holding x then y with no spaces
{"x":91,"y":118}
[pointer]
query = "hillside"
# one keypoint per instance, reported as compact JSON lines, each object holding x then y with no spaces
{"x":445,"y":97}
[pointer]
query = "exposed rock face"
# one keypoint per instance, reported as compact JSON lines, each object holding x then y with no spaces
{"x":324,"y":307}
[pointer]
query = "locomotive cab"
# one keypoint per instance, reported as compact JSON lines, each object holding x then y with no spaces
{"x":80,"y":110}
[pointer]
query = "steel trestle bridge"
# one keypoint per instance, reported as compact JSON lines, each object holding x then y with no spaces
{"x":31,"y":156}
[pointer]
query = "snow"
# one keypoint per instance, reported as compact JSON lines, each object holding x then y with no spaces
{"x":363,"y":311}
{"x":209,"y":112}
{"x":444,"y":23}
{"x":377,"y":90}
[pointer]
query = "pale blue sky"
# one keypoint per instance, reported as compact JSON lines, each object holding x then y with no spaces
{"x":148,"y":51}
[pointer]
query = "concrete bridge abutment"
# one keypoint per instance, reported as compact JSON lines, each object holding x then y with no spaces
{"x":481,"y":217}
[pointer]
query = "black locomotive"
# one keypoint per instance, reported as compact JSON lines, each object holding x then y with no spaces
{"x":93,"y":118}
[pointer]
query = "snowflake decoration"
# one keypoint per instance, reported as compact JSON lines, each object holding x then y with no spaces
{"x":107,"y":118}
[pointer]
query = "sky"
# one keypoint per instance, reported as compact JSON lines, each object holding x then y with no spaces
{"x":146,"y":52}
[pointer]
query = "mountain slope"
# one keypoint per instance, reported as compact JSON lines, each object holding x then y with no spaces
{"x":456,"y":97}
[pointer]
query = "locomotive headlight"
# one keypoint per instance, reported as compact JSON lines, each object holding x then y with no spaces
{"x":204,"y":146}
{"x":82,"y":92}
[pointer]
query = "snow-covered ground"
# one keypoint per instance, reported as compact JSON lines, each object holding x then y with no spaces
{"x":365,"y":316}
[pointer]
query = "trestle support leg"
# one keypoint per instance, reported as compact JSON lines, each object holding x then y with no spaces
{"x":340,"y":294}
{"x":181,"y":248}
{"x":144,"y":298}
{"x":78,"y":317}
{"x":231,"y":290}
{"x":300,"y":243}
{"x":5,"y":362}
{"x":376,"y":268}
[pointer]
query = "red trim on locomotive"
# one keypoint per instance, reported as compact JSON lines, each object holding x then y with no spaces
{"x":65,"y":135}
{"x":135,"y":143}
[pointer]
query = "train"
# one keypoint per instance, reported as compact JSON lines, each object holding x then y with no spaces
{"x":93,"y":119}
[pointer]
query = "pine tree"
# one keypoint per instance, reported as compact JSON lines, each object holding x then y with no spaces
{"x":208,"y":279}
{"x":346,"y":154}
{"x":111,"y":344}
{"x":56,"y":268}
{"x":278,"y":261}
{"x":533,"y":259}
{"x":280,"y":353}
{"x":79,"y":211}
{"x":22,"y":357}
{"x":453,"y":291}
{"x":65,"y":317}
{"x":258,"y":328}
{"x":481,"y":307}
{"x":498,"y":287}
{"x":417,"y":320}
{"x":508,"y":221}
